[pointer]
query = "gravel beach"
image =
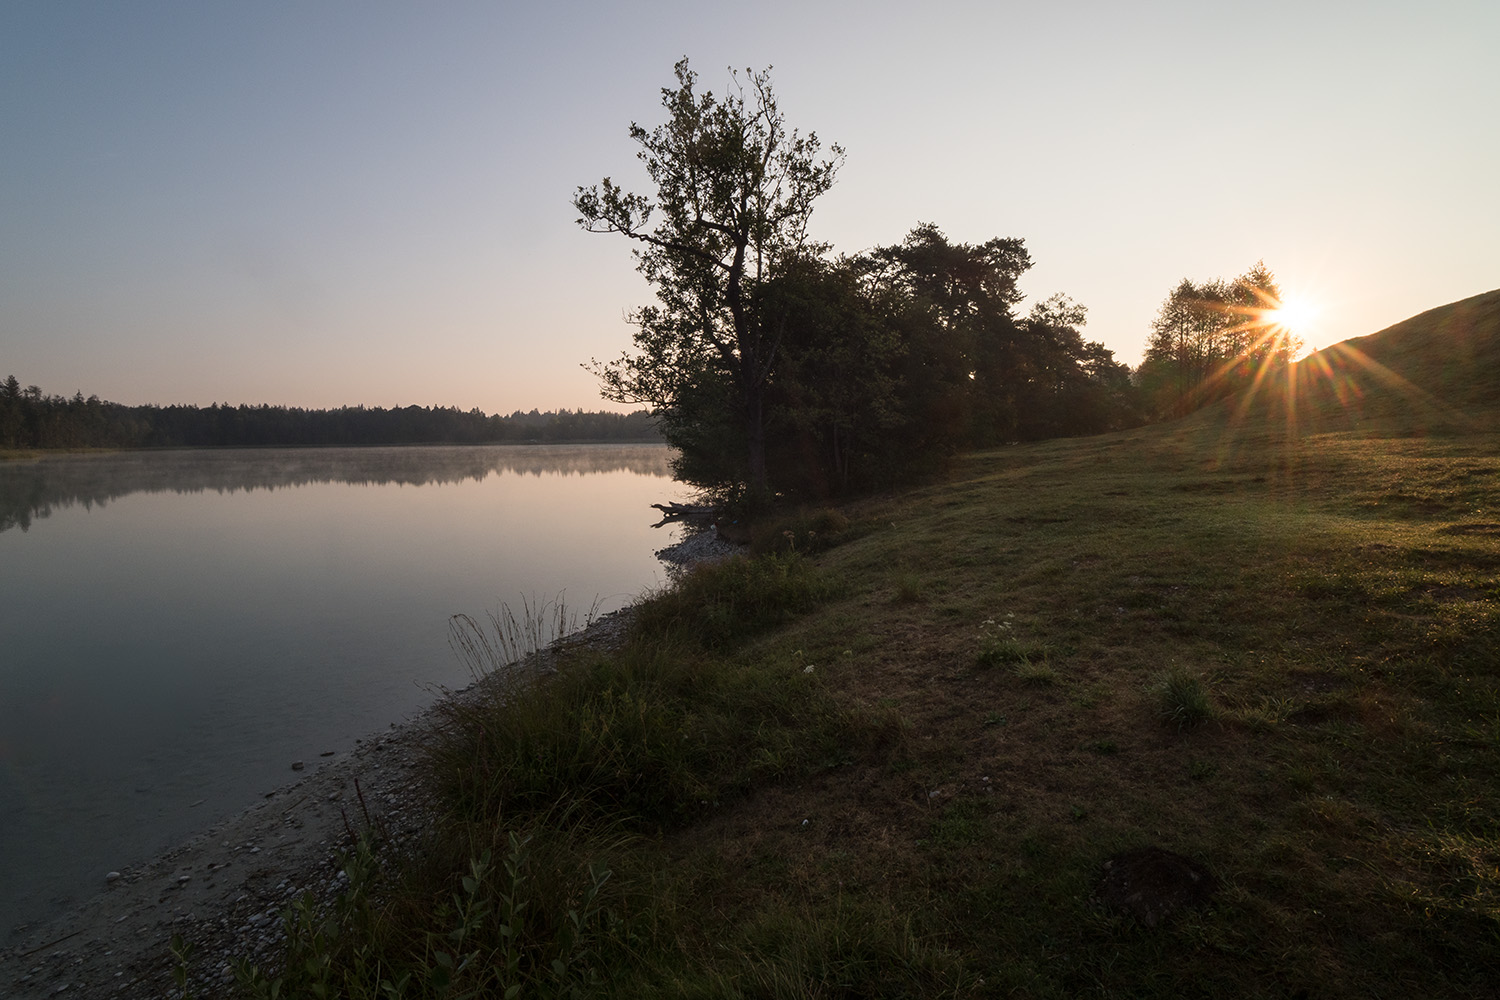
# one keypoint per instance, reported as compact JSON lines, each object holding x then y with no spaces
{"x":224,"y":889}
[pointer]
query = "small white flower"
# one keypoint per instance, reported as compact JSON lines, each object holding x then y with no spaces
{"x":807,"y":669}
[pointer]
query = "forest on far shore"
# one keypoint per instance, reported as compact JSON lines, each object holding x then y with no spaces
{"x":31,"y":419}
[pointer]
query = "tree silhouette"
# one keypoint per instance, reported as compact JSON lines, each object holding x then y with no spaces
{"x":734,"y":191}
{"x":1212,"y":339}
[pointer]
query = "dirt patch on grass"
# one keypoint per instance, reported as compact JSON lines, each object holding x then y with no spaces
{"x":1151,"y":885}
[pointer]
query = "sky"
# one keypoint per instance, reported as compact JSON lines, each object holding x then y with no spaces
{"x":321,"y":203}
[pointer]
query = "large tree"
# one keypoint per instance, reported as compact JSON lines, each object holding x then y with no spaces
{"x":734,"y":191}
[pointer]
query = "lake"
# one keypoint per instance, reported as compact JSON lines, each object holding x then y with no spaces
{"x":177,"y":628}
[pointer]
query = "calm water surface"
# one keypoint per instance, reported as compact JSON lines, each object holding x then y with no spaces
{"x":176,"y":628}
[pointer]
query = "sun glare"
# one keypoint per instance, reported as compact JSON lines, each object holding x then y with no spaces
{"x":1296,"y":315}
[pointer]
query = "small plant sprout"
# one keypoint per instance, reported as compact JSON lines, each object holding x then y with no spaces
{"x":182,"y":953}
{"x":999,"y":645}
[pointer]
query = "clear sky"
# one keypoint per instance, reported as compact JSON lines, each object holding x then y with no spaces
{"x":322,"y":203}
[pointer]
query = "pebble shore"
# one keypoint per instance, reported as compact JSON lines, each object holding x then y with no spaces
{"x":225,"y":889}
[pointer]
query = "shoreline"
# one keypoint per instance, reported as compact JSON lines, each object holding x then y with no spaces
{"x":224,"y":888}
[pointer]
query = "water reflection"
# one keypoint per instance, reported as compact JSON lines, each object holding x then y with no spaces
{"x":185,"y":624}
{"x":33,"y":490}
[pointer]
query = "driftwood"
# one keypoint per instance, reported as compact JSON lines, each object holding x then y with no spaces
{"x":674,"y":512}
{"x":704,"y":515}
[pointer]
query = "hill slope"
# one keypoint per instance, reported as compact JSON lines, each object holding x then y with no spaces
{"x":1438,"y":369}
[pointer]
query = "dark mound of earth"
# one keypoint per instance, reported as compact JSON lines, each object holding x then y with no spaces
{"x":1150,"y":885}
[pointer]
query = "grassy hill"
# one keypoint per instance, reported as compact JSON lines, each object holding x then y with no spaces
{"x":1451,"y":353}
{"x":1206,"y":709}
{"x":1433,"y":372}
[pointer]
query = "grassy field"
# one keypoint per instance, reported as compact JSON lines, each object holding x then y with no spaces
{"x":922,"y":750}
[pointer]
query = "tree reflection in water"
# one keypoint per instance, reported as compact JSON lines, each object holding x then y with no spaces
{"x":32,"y":490}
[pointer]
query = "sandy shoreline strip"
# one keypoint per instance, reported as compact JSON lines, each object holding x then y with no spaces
{"x":224,"y":889}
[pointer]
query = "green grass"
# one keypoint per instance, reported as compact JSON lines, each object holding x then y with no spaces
{"x":1183,"y":698}
{"x":1268,"y":648}
{"x":721,"y":605}
{"x":808,"y":531}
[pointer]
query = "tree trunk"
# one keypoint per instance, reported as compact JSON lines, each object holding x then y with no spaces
{"x":755,"y":436}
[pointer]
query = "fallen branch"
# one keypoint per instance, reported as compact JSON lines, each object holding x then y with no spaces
{"x":674,"y":512}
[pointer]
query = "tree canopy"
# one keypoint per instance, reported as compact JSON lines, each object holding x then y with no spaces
{"x":772,"y":366}
{"x":901,"y":356}
{"x":1212,"y":339}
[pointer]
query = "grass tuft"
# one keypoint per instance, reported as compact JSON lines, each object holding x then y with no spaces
{"x":509,"y":638}
{"x":908,"y":589}
{"x":1182,"y":698}
{"x":999,"y":645}
{"x":1035,"y":672}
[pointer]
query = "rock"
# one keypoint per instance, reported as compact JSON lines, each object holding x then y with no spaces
{"x":297,"y":765}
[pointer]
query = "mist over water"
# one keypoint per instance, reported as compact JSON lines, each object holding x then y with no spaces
{"x":177,"y":628}
{"x":31,"y":491}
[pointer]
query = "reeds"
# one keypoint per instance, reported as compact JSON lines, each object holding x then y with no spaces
{"x":507,"y":638}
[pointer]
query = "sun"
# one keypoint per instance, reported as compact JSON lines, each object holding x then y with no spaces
{"x":1292,"y":319}
{"x":1294,"y":314}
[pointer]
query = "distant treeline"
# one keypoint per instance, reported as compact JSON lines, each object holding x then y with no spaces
{"x":30,"y":418}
